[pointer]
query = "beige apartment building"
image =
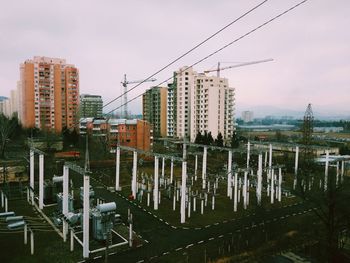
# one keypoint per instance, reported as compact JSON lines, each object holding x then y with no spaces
{"x":49,"y":90}
{"x":202,"y":103}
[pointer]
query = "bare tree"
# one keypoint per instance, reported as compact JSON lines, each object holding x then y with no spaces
{"x":7,"y":128}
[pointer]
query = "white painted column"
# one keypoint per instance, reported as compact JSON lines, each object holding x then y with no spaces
{"x":71,"y":240}
{"x":172,"y":170}
{"x":213,"y":202}
{"x":195,"y":167}
{"x":229,"y":173}
{"x":326,"y":170}
{"x":245,"y":190}
{"x":31,"y":242}
{"x":259,"y":186}
{"x":2,"y":198}
{"x":194,"y":204}
{"x":296,"y":167}
{"x":272,"y":185}
{"x":183,"y":192}
{"x":130,"y":231}
{"x":41,"y":181}
{"x":6,"y":204}
{"x":279,"y":184}
{"x":117,"y":170}
{"x":174,"y":202}
{"x":248,"y":154}
{"x":86,"y":213}
{"x":342,"y":171}
{"x":204,"y":167}
{"x":31,"y":175}
{"x":270,"y":161}
{"x":65,"y":200}
{"x":134,"y":176}
{"x":265,"y":162}
{"x":337,"y":174}
{"x":163,"y":167}
{"x":25,"y":232}
{"x":156,"y":183}
{"x":235,"y":193}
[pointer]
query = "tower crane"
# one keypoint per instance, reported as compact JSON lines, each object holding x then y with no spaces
{"x":218,"y":69}
{"x":125,"y":85}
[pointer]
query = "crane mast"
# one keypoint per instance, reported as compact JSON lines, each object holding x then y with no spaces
{"x":125,"y":94}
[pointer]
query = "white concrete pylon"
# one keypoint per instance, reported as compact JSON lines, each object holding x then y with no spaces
{"x":2,"y":198}
{"x":25,"y":232}
{"x":163,"y":167}
{"x":204,"y":167}
{"x":245,"y":190}
{"x":31,"y":175}
{"x":117,"y":170}
{"x":326,"y":170}
{"x":71,"y":240}
{"x":235,"y":193}
{"x":337,"y":174}
{"x":41,"y":181}
{"x":272,"y":188}
{"x":134,"y":176}
{"x":65,"y":200}
{"x":342,"y":171}
{"x":279,"y":184}
{"x":296,"y":160}
{"x":259,"y":186}
{"x":86,"y":213}
{"x":172,"y":170}
{"x":195,"y":166}
{"x":265,"y":161}
{"x":248,"y":154}
{"x":183,"y":192}
{"x":156,"y":183}
{"x":229,"y":173}
{"x":31,"y":242}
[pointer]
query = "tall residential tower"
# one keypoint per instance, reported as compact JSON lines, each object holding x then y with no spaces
{"x":203,"y":103}
{"x":49,"y":94}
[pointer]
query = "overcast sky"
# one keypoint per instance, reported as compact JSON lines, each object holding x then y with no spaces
{"x":105,"y":39}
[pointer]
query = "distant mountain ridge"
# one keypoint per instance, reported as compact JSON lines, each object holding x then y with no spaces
{"x":320,"y":112}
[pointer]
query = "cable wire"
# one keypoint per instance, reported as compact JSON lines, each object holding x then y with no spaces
{"x":189,"y":51}
{"x":222,"y":48}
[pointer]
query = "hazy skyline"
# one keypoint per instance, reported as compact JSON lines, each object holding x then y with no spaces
{"x":105,"y":39}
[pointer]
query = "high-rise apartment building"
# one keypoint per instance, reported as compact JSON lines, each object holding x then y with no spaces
{"x":90,"y":106}
{"x":49,"y":94}
{"x":247,"y":116}
{"x":171,"y":109}
{"x":9,"y":106}
{"x":203,"y":103}
{"x":154,"y":109}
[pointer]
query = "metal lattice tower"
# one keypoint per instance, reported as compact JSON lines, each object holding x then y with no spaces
{"x":307,"y":137}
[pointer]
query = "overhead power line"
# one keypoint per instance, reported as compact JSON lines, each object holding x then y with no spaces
{"x":220,"y":49}
{"x":189,"y":51}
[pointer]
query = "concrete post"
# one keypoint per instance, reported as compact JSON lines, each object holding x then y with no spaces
{"x":117,"y":169}
{"x":265,"y":161}
{"x":195,"y":167}
{"x":204,"y":167}
{"x":326,"y":170}
{"x":65,"y":200}
{"x":174,"y":202}
{"x":213,"y":202}
{"x":183,"y":192}
{"x":41,"y":181}
{"x":163,"y":167}
{"x":245,"y":190}
{"x":156,"y":183}
{"x":342,"y":171}
{"x":235,"y":193}
{"x":134,"y":176}
{"x":25,"y":232}
{"x":248,"y":154}
{"x":172,"y":170}
{"x":272,"y":188}
{"x":337,"y":175}
{"x":31,"y":175}
{"x":279,"y":184}
{"x":229,"y":173}
{"x":194,"y":204}
{"x":86,"y":213}
{"x":2,"y":198}
{"x":270,"y":161}
{"x":259,"y":186}
{"x":202,"y":206}
{"x":71,"y":240}
{"x":31,"y":242}
{"x":6,"y":204}
{"x":130,"y":231}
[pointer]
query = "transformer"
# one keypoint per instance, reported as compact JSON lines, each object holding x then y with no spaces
{"x":103,"y":219}
{"x":59,"y":197}
{"x":91,"y":196}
